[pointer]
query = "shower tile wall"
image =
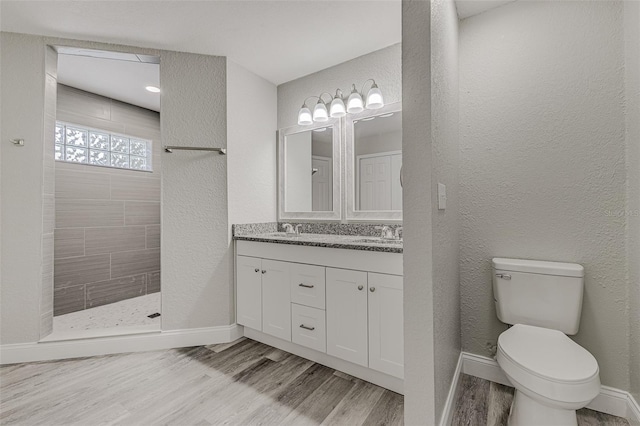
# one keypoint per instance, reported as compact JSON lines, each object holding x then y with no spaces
{"x":107,"y":228}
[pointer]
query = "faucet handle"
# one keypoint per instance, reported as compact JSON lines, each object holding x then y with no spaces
{"x":297,"y":228}
{"x":288,"y":228}
{"x":385,"y":231}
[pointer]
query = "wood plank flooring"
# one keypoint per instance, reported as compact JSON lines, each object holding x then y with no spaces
{"x":481,"y":402}
{"x":241,"y":383}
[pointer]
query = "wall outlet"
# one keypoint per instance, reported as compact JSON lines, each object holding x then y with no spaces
{"x":442,"y":196}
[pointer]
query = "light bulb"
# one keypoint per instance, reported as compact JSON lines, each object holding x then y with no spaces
{"x":374,"y":98}
{"x":304,"y":116}
{"x":337,"y":109}
{"x":320,"y":112}
{"x":354,"y":103}
{"x":153,"y":89}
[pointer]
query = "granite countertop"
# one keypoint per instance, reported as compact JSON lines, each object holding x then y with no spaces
{"x":351,"y":242}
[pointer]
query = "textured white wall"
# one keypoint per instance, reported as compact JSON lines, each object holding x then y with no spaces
{"x":417,"y":161}
{"x":22,"y":103}
{"x":543,"y":162}
{"x":632,"y":94}
{"x":251,"y":133}
{"x":446,"y":223}
{"x":196,"y":289}
{"x":384,"y":66}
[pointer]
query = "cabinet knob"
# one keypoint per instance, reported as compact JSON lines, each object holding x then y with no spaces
{"x":264,"y":271}
{"x":257,"y":269}
{"x":372,"y":289}
{"x":360,"y":287}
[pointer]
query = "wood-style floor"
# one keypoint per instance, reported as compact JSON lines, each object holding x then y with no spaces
{"x":241,"y":383}
{"x":481,"y":402}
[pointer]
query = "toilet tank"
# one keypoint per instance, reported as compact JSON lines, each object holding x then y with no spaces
{"x":544,"y":294}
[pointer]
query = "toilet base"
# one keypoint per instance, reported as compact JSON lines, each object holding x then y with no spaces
{"x":525,"y":411}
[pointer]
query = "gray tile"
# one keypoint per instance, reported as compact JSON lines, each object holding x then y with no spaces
{"x":88,"y":213}
{"x":114,"y":238}
{"x":69,"y":242}
{"x":142,"y":213}
{"x":153,"y":282}
{"x":82,"y":185}
{"x":68,"y":299}
{"x":128,"y":263}
{"x":153,"y":236}
{"x":91,"y":105}
{"x":135,"y":188}
{"x":81,"y":270}
{"x":111,"y":291}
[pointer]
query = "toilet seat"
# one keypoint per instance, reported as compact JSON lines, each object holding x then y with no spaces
{"x":548,"y":366}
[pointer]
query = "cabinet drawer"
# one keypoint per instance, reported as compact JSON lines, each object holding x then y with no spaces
{"x":307,"y":285}
{"x":308,"y":327}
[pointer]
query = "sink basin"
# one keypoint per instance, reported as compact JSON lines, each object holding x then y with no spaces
{"x":374,"y":240}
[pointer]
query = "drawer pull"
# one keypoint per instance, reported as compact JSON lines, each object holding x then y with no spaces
{"x":360,"y":287}
{"x":257,"y":269}
{"x":264,"y":272}
{"x":306,"y":327}
{"x":305,"y":285}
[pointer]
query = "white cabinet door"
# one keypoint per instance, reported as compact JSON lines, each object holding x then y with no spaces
{"x":249,"y":292}
{"x":276,"y":299}
{"x":386,"y":337}
{"x":347,"y":315}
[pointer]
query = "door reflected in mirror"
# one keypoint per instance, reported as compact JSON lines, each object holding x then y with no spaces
{"x":309,"y":171}
{"x":378,"y":160}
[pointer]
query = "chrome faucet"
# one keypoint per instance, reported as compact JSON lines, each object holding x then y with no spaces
{"x":397,"y":232}
{"x":288,"y":228}
{"x":298,"y":226}
{"x":386,"y":232}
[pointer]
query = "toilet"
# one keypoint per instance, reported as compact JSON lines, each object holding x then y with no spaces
{"x":553,"y":376}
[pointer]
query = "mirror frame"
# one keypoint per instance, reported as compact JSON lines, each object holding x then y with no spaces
{"x":333,"y":215}
{"x":351,"y":214}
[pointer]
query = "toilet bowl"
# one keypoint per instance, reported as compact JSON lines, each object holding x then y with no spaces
{"x":553,"y":375}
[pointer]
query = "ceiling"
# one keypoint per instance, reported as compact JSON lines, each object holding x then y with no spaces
{"x":115,"y":75}
{"x":467,"y":8}
{"x":278,"y":40}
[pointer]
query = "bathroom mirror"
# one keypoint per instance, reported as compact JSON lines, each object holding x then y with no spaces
{"x":309,"y":171}
{"x":373,"y":164}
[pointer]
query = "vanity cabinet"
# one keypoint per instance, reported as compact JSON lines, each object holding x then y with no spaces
{"x":347,"y":315}
{"x":386,"y":322}
{"x":341,"y":308}
{"x":264,"y":298}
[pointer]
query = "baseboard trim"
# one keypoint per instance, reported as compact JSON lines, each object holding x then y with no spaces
{"x":384,"y":380}
{"x":449,"y":406}
{"x":152,"y":341}
{"x":610,"y":400}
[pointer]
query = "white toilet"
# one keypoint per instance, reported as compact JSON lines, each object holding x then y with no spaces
{"x":553,"y":375}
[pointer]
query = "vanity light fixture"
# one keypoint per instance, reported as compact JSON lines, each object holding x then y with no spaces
{"x":337,"y":108}
{"x":153,"y":89}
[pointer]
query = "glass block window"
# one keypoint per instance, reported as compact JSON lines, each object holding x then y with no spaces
{"x":79,"y":144}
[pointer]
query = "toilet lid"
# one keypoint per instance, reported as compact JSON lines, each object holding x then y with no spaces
{"x":547,"y":353}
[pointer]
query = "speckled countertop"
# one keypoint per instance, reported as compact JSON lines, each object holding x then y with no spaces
{"x":351,"y":242}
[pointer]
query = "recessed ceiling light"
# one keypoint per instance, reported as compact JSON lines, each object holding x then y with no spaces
{"x":368,"y":119}
{"x":153,"y":89}
{"x":322,"y":129}
{"x":386,"y":115}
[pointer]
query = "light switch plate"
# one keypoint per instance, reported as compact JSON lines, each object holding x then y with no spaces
{"x":442,"y":196}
